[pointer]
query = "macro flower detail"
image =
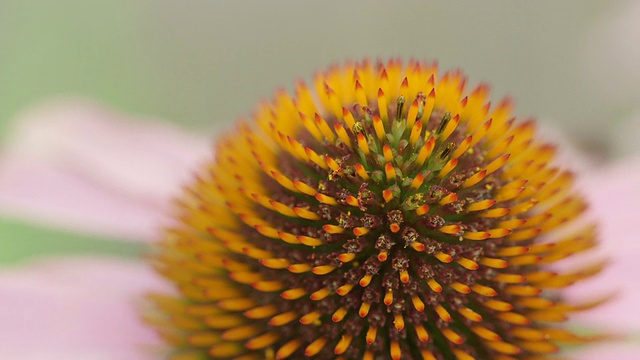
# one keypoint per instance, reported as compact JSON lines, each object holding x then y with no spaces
{"x":387,"y":214}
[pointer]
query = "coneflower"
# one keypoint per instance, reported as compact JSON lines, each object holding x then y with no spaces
{"x":388,"y":214}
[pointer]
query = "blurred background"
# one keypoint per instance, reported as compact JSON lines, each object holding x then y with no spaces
{"x":202,"y":64}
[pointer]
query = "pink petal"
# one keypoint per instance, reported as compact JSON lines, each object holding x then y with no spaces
{"x":41,"y":191}
{"x":614,"y":193}
{"x":76,"y":308}
{"x":81,"y":166}
{"x":612,"y":350}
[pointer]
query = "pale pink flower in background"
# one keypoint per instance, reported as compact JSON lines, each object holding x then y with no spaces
{"x":88,"y":169}
{"x":114,"y":174}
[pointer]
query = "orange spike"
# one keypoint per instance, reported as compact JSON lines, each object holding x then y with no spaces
{"x":343,"y":344}
{"x":412,"y":114}
{"x":366,"y":280}
{"x":348,"y":118}
{"x":320,"y":294}
{"x":346,"y":257}
{"x":339,"y":314}
{"x":262,"y":341}
{"x":494,"y":263}
{"x":387,"y":195}
{"x":398,"y":322}
{"x":324,"y":128}
{"x":404,"y":276}
{"x":306,"y":214}
{"x":323,"y":269}
{"x":462,"y":147}
{"x":495,"y":213}
{"x":396,"y":353}
{"x":416,"y":131}
{"x":448,"y":199}
{"x":310,"y":318}
{"x":418,"y":246}
{"x":476,"y":235}
{"x":362,"y":143}
{"x":481,"y":205}
{"x":522,"y":290}
{"x":304,"y":188}
{"x":309,"y":241}
{"x":299,"y":268}
{"x":342,"y":134}
{"x":509,"y":278}
{"x":332,"y":229}
{"x":371,"y":335}
{"x":382,"y":256}
{"x":390,"y":172}
{"x":434,"y":286}
{"x":360,"y":231}
{"x":443,"y":313}
{"x":422,"y":333}
{"x":261,"y":312}
{"x":468,"y":264}
{"x":485,"y":333}
{"x":382,"y":105}
{"x":450,"y":229}
{"x":445,"y":258}
{"x":460,"y":287}
{"x":283,"y":319}
{"x":504,"y":347}
{"x":361,"y":96}
{"x":484,"y":290}
{"x":497,"y":163}
{"x":289,"y":348}
{"x":417,"y":303}
{"x":351,"y":200}
{"x":470,"y":314}
{"x":450,"y":128}
{"x":426,"y":151}
{"x":474,"y":179}
{"x":452,"y":336}
{"x":421,"y":210}
{"x":268,"y":286}
{"x":430,"y":104}
{"x":364,"y":309}
{"x":378,"y":126}
{"x":513,"y":318}
{"x":498,"y":233}
{"x":275,"y":263}
{"x":524,"y":234}
{"x":315,"y":347}
{"x":344,"y":289}
{"x":417,"y":182}
{"x":498,"y":305}
{"x":326,"y":199}
{"x":388,"y":297}
{"x":333,"y":165}
{"x":360,"y":170}
{"x":293,"y":294}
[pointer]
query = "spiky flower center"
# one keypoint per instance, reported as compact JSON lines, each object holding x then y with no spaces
{"x":396,"y":219}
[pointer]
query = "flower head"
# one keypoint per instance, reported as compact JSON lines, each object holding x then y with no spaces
{"x":388,"y":214}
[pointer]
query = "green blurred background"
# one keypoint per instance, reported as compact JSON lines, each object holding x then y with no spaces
{"x":202,"y":64}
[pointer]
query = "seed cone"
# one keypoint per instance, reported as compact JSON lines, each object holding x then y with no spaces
{"x":390,"y":215}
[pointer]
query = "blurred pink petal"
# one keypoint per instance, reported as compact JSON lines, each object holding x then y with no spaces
{"x":82,"y":308}
{"x":614,"y":193}
{"x":81,"y":166}
{"x":41,"y":191}
{"x":613,"y":350}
